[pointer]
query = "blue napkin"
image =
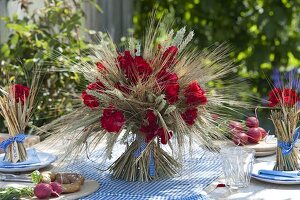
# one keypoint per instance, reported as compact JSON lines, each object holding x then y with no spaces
{"x":279,"y":175}
{"x":32,"y":160}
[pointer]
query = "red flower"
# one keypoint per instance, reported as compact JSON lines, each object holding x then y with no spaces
{"x":288,"y":97}
{"x":90,"y":100}
{"x":112,"y":119}
{"x":190,"y":115}
{"x":153,"y":130}
{"x":164,"y":135}
{"x":172,"y":92}
{"x":134,"y":68}
{"x":20,"y":92}
{"x":169,"y":56}
{"x":195,"y":95}
{"x":165,"y":78}
{"x":100,"y":67}
{"x":168,"y":83}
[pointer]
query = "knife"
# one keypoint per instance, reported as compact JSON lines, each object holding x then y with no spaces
{"x":280,"y":173}
{"x":15,"y":178}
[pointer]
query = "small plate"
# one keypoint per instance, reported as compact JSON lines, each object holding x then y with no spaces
{"x":270,"y":178}
{"x":45,"y":159}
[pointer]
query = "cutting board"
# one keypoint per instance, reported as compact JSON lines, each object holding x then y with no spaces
{"x":89,"y":187}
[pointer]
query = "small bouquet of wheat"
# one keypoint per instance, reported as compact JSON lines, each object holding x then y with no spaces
{"x":285,"y":117}
{"x":17,"y":103}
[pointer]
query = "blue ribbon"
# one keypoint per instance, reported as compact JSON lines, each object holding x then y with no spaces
{"x":139,"y":151}
{"x":18,"y":138}
{"x":287,"y":147}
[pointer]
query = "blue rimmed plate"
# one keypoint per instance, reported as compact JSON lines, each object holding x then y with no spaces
{"x":36,"y":160}
{"x":272,"y":178}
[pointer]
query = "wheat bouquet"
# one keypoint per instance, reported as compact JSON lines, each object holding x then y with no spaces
{"x":285,"y":117}
{"x":17,"y":103}
{"x":152,"y":96}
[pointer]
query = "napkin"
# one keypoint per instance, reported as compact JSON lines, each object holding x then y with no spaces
{"x":279,"y":175}
{"x":32,"y":160}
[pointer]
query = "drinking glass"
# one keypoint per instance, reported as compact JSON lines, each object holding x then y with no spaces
{"x":237,"y":164}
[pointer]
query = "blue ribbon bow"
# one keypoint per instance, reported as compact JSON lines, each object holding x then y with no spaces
{"x":18,"y":138}
{"x":287,"y":147}
{"x":137,"y":153}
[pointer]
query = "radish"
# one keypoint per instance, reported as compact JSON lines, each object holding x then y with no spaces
{"x":240,"y":139}
{"x":254,"y":135}
{"x":263,"y":132}
{"x":252,"y":122}
{"x":57,"y":189}
{"x":42,"y":190}
{"x":235,"y":127}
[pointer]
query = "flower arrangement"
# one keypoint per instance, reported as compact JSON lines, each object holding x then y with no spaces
{"x":151,"y":97}
{"x":285,"y":117}
{"x":16,"y":107}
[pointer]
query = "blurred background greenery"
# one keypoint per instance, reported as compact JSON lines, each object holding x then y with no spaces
{"x":263,"y":34}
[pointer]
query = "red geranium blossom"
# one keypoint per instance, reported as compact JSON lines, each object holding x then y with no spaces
{"x":190,"y":115}
{"x":90,"y":100}
{"x":20,"y":92}
{"x":169,"y":56}
{"x":288,"y":97}
{"x":112,"y":119}
{"x":135,"y":68}
{"x":152,"y":129}
{"x":194,"y":95}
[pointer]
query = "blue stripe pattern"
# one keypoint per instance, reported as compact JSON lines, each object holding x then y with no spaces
{"x":198,"y":172}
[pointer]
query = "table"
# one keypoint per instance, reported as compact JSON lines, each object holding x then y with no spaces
{"x":257,"y":190}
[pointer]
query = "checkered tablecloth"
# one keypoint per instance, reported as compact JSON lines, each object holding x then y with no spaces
{"x":198,"y":172}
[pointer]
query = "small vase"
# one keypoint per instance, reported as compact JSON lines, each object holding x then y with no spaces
{"x":144,"y":162}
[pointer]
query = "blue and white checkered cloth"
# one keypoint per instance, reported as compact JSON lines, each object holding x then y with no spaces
{"x":197,"y":173}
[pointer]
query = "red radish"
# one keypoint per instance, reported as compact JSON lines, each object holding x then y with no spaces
{"x":263,"y":132}
{"x":42,"y":190}
{"x":240,"y":139}
{"x":254,"y":135}
{"x":235,"y":127}
{"x":252,"y":122}
{"x":57,"y":189}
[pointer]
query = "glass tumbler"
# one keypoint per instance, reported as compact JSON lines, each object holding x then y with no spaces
{"x":237,"y":164}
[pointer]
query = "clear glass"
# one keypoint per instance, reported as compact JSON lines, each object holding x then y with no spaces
{"x":237,"y":164}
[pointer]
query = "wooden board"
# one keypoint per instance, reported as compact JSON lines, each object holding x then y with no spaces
{"x":89,"y":187}
{"x":263,"y":146}
{"x":267,"y":153}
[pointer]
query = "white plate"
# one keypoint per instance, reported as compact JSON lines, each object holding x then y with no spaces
{"x":271,"y":179}
{"x":45,"y":160}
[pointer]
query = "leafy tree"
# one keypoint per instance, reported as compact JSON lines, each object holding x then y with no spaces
{"x":263,"y":33}
{"x":35,"y":39}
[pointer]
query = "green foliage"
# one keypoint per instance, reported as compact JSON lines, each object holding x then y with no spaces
{"x":15,"y":193}
{"x":263,"y":33}
{"x":37,"y":39}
